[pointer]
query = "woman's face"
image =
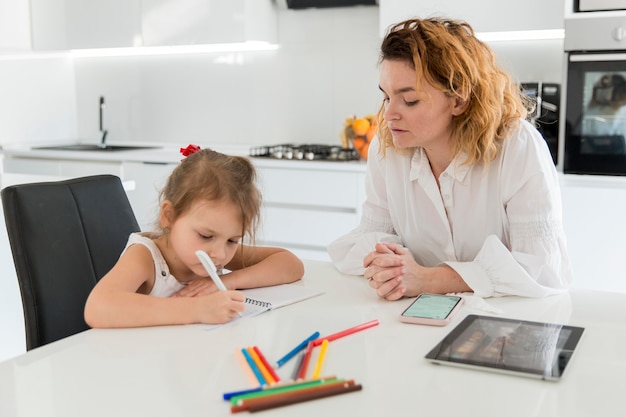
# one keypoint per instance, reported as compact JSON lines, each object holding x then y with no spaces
{"x":421,"y":117}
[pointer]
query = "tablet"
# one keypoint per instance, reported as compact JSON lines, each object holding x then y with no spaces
{"x":525,"y":348}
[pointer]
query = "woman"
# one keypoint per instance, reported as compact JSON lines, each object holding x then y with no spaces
{"x":462,"y":193}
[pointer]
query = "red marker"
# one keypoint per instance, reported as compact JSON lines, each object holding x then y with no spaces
{"x":346,"y":332}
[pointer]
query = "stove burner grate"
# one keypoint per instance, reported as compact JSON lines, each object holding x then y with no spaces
{"x":306,"y":152}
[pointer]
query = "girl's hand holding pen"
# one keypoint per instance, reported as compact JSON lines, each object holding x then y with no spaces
{"x":220,"y":307}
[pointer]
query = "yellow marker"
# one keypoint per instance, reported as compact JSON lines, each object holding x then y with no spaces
{"x":320,"y":360}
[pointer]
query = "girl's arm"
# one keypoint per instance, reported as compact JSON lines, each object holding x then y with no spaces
{"x":257,"y":266}
{"x":120,"y":298}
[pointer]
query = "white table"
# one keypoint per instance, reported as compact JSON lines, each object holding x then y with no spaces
{"x":183,"y":370}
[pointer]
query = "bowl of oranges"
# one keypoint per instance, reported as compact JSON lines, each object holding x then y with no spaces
{"x":358,"y":132}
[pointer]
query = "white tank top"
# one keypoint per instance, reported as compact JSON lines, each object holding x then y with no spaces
{"x":165,"y":284}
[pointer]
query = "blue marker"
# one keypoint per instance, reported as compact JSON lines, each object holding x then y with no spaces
{"x":229,"y":395}
{"x":297,"y":349}
{"x":255,"y":369}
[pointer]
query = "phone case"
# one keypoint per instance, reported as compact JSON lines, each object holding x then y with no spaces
{"x":427,"y":320}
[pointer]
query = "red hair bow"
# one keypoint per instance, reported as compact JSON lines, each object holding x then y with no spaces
{"x":190,"y":149}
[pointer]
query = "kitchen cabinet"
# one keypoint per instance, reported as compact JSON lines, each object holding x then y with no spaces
{"x":59,"y":168}
{"x":147,"y":180}
{"x":14,"y":25}
{"x":306,"y":204}
{"x":142,"y":180}
{"x":501,"y":15}
{"x":78,"y":24}
{"x":191,"y":22}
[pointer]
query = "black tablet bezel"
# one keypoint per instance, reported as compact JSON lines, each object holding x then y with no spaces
{"x":563,"y":351}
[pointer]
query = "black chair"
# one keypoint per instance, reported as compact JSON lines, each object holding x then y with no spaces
{"x":64,"y":237}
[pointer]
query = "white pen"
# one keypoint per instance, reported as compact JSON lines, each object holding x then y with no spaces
{"x":208,"y":264}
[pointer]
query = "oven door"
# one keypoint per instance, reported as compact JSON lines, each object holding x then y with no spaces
{"x":595,"y":128}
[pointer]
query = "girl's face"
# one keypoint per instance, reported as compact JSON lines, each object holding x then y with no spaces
{"x":212,"y":226}
{"x":421,"y":117}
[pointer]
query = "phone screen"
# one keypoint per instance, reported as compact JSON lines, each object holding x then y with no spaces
{"x":432,"y":306}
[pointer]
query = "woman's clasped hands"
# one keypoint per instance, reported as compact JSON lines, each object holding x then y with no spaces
{"x":393,"y":272}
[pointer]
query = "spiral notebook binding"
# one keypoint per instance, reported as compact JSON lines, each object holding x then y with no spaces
{"x":264,"y":304}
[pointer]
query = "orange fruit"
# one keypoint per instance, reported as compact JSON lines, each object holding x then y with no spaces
{"x":363,"y":150}
{"x":360,"y":126}
{"x":358,"y":143}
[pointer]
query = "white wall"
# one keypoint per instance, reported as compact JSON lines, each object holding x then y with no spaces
{"x":325,"y":70}
{"x":37,"y":102}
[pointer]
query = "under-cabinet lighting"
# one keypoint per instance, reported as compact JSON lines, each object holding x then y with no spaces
{"x":521,"y":35}
{"x":250,"y":46}
{"x":29,"y":55}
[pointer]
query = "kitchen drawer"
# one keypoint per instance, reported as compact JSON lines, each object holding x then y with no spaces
{"x":60,"y":168}
{"x":315,"y":188}
{"x":304,"y":228}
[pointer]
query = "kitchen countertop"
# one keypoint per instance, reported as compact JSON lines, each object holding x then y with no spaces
{"x":169,"y":153}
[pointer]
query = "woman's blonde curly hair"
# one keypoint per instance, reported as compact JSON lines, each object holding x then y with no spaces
{"x":447,"y":55}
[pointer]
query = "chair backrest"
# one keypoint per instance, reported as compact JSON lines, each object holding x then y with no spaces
{"x":64,"y":237}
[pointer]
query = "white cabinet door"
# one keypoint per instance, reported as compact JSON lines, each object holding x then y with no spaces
{"x":304,"y":210}
{"x":14,"y":25}
{"x":191,"y":22}
{"x":77,"y":24}
{"x":147,"y":179}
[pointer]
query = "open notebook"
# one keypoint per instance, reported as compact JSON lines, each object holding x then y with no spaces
{"x":259,"y":300}
{"x":263,"y":299}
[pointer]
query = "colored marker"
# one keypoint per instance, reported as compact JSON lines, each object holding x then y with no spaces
{"x":292,"y":397}
{"x":296,"y":368}
{"x":244,"y":365}
{"x":347,"y":332}
{"x":305,"y":360}
{"x":255,"y":369}
{"x":297,"y":349}
{"x":320,"y":360}
{"x":257,"y":360}
{"x":266,"y":364}
{"x":275,"y":389}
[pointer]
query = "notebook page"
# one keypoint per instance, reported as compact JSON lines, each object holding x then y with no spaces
{"x":280,"y":295}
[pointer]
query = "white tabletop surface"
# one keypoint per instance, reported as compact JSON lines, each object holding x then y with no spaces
{"x":183,"y":370}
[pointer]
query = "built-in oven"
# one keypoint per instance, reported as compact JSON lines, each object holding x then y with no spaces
{"x":594,"y":116}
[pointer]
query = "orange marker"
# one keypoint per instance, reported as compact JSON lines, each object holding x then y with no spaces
{"x":266,"y":374}
{"x":266,"y":364}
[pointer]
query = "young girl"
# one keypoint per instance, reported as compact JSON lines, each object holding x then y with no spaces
{"x":210,"y":202}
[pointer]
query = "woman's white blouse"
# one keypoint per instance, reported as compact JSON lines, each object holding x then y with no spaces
{"x":500,"y":228}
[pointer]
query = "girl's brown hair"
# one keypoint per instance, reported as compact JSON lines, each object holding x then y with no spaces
{"x":447,"y":55}
{"x":210,"y":175}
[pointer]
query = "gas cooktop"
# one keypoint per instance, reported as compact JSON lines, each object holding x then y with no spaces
{"x":310,"y":152}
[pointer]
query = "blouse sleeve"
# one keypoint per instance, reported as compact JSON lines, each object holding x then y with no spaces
{"x":348,"y":251}
{"x":535,"y":262}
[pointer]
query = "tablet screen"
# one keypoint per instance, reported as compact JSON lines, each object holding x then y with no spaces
{"x":528,"y":348}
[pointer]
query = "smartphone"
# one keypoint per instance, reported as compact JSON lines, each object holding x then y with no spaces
{"x":432,"y":309}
